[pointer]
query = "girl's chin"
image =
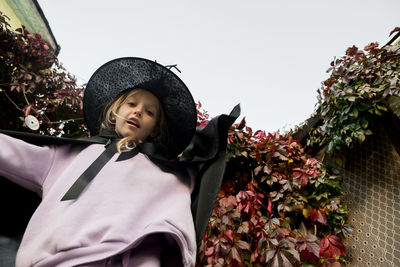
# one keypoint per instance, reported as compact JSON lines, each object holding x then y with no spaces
{"x":124,"y":134}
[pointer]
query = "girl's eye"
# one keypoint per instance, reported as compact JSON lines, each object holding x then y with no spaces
{"x":131,"y":104}
{"x":150,"y":113}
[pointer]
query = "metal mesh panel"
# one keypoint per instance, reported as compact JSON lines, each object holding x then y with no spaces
{"x":371,"y":182}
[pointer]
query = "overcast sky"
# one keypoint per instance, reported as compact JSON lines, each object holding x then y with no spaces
{"x":269,"y":56}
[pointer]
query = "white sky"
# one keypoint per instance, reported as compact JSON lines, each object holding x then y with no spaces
{"x":269,"y":56}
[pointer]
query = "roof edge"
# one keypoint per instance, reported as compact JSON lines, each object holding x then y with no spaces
{"x":395,"y":39}
{"x":40,"y":11}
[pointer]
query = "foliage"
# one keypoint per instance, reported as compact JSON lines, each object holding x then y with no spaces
{"x":202,"y":115}
{"x":33,"y":82}
{"x":276,"y":207}
{"x":356,"y":94}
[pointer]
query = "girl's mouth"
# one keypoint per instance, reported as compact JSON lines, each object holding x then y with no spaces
{"x":134,"y":123}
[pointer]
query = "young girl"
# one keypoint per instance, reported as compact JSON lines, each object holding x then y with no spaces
{"x":128,"y":202}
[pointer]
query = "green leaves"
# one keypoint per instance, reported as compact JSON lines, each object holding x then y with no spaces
{"x":355,"y":95}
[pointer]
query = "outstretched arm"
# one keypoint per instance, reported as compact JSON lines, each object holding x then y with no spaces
{"x":23,"y":163}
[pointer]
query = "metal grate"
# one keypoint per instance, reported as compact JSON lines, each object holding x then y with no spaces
{"x":371,"y":183}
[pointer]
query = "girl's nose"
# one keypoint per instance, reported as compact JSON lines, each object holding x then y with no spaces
{"x":138,"y":111}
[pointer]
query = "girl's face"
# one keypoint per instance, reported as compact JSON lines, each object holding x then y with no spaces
{"x":138,"y":116}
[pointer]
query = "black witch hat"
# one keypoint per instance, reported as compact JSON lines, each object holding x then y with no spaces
{"x":119,"y":75}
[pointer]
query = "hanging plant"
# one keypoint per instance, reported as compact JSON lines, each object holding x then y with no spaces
{"x":363,"y":85}
{"x":34,"y":85}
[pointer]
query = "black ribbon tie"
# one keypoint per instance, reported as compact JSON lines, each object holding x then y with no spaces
{"x":87,"y":176}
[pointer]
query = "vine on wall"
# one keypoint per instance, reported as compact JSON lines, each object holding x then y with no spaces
{"x":360,"y":89}
{"x":277,"y":206}
{"x":34,"y":85}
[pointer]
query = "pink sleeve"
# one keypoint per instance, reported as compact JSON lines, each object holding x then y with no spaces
{"x":24,"y":163}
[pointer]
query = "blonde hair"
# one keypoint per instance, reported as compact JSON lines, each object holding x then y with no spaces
{"x":128,"y":143}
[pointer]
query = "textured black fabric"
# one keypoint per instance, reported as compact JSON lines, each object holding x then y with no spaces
{"x":208,"y":147}
{"x":40,"y":140}
{"x":122,"y":74}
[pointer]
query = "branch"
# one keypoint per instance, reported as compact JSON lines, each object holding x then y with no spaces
{"x":12,"y":102}
{"x":26,"y":99}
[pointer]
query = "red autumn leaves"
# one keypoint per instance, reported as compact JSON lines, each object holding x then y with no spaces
{"x":275,"y":206}
{"x":35,"y":83}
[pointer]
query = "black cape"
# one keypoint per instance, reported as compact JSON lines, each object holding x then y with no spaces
{"x":206,"y":152}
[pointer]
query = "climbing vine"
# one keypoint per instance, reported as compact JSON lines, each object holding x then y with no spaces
{"x":363,"y":86}
{"x":35,"y":86}
{"x":277,"y":206}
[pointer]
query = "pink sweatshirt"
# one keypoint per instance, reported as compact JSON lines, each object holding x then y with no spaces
{"x":125,"y":202}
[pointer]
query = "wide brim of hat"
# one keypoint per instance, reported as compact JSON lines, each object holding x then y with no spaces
{"x":122,"y":74}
